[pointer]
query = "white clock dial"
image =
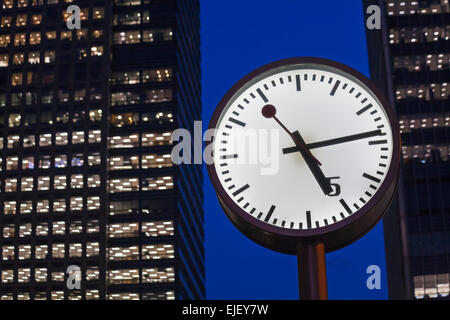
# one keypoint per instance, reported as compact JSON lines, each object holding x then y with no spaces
{"x":344,"y":128}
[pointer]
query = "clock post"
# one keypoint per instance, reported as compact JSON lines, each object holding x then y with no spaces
{"x":312,"y":272}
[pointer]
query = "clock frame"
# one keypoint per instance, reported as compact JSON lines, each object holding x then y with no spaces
{"x":333,"y":236}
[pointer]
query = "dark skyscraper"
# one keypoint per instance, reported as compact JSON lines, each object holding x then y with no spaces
{"x":410,"y":61}
{"x":86,"y":175}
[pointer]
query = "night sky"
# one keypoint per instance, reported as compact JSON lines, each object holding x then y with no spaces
{"x":238,"y":37}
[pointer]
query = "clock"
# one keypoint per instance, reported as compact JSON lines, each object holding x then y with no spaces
{"x":336,"y":159}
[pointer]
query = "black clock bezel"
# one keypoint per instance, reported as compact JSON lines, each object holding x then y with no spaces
{"x":336,"y":235}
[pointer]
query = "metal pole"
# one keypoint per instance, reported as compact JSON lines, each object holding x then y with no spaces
{"x":312,"y":272}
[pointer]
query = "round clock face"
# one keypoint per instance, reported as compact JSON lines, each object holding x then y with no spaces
{"x":323,"y":148}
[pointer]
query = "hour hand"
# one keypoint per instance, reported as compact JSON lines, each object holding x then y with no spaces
{"x":324,"y":183}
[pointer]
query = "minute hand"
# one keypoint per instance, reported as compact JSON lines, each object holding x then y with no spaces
{"x":330,"y":142}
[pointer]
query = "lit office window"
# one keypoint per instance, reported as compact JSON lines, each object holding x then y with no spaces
{"x":58,"y":276}
{"x":95,"y":115}
{"x":59,"y":227}
{"x":61,"y":138}
{"x":42,"y":229}
{"x":14,"y":120}
{"x":45,"y":162}
{"x":57,"y":295}
{"x":93,"y":203}
{"x":36,"y":19}
{"x":97,"y":51}
{"x":45,"y":140}
{"x":155,"y":35}
{"x":123,"y":296}
{"x":27,"y":184}
{"x":11,"y":185}
{"x":41,"y":251}
{"x":127,"y":18}
{"x":24,"y":252}
{"x":154,"y":139}
{"x":26,"y":207}
{"x":21,"y":20}
{"x":431,"y":285}
{"x":7,"y":276}
{"x":81,"y":34}
{"x":35,"y":38}
{"x":77,"y":137}
{"x":123,"y":98}
{"x":163,"y":295}
{"x":61,"y":161}
{"x":5,"y":39}
{"x":33,"y":57}
{"x":58,"y":250}
{"x":59,"y":205}
{"x":94,"y":181}
{"x":123,"y":276}
{"x":123,"y":230}
{"x":128,"y":77}
{"x":123,"y":185}
{"x":12,"y":163}
{"x":50,"y":35}
{"x":76,"y":181}
{"x":40,"y":274}
{"x":127,"y":37}
{"x":124,"y":162}
{"x":49,"y":56}
{"x":123,"y":207}
{"x":76,"y":227}
{"x":20,"y":39}
{"x":43,"y":183}
{"x":22,"y":3}
{"x":42,"y":206}
{"x":13,"y":141}
{"x":158,"y":251}
{"x":92,"y":273}
{"x":77,"y":160}
{"x":8,"y":253}
{"x":27,"y":163}
{"x":157,"y":183}
{"x":16,"y":79}
{"x":25,"y":230}
{"x":9,"y":231}
{"x":97,"y":34}
{"x":158,"y":228}
{"x":92,"y":249}
{"x":4,"y":60}
{"x":157,"y":75}
{"x":127,"y":2}
{"x":94,"y":136}
{"x":94,"y":159}
{"x":10,"y":207}
{"x":76,"y":204}
{"x":75,"y":250}
{"x":158,"y":275}
{"x":124,"y":119}
{"x":123,"y":253}
{"x":6,"y":22}
{"x":28,"y":141}
{"x":128,"y":141}
{"x":60,"y":182}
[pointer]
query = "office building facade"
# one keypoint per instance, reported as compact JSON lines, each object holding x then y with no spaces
{"x":410,"y":61}
{"x":85,"y":141}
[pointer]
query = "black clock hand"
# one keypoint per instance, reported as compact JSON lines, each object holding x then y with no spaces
{"x":269,"y":111}
{"x":324,"y":183}
{"x":330,"y":142}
